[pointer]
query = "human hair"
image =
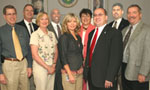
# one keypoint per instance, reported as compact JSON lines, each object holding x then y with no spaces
{"x":67,"y":19}
{"x":135,"y":5}
{"x":118,"y":4}
{"x":85,"y":11}
{"x":28,"y":5}
{"x":39,"y":16}
{"x":9,"y":7}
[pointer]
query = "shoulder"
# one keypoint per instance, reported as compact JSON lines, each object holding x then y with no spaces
{"x":110,"y":24}
{"x":21,"y":22}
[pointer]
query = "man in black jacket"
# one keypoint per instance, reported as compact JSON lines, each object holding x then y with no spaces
{"x":119,"y":22}
{"x":28,"y":13}
{"x":104,"y":54}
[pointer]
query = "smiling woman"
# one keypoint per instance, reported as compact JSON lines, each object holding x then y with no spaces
{"x":67,"y":3}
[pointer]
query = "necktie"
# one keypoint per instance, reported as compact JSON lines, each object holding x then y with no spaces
{"x":58,"y":29}
{"x":127,"y":37}
{"x":31,"y":30}
{"x":92,"y":47}
{"x":17,"y":45}
{"x":115,"y":25}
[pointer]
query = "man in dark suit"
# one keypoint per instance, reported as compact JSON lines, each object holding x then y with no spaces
{"x":119,"y":22}
{"x":104,"y":57}
{"x":55,"y":25}
{"x":136,"y":56}
{"x":30,"y":27}
{"x":28,"y":13}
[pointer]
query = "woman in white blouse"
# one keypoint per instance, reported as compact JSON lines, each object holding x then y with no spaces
{"x":44,"y":52}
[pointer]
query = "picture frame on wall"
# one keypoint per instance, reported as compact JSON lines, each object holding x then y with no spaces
{"x":39,"y":6}
{"x":93,"y":4}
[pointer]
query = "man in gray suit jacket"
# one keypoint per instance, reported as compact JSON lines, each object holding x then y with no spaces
{"x":136,"y":59}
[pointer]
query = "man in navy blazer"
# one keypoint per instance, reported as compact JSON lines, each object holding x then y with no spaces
{"x":28,"y":13}
{"x":106,"y":56}
{"x":117,"y":13}
{"x":121,"y":23}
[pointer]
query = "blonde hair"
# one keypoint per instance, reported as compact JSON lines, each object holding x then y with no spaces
{"x":39,"y":16}
{"x":67,"y":19}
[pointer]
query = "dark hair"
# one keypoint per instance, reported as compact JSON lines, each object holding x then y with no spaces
{"x":8,"y":7}
{"x":118,"y":4}
{"x":135,"y":5}
{"x":28,"y":5}
{"x":85,"y":11}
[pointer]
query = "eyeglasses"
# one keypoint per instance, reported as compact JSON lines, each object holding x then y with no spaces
{"x":98,"y":15}
{"x":11,"y":14}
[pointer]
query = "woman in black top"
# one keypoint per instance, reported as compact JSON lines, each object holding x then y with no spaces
{"x":70,"y":52}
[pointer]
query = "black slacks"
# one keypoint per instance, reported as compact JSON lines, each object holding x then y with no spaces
{"x":92,"y":87}
{"x":132,"y":85}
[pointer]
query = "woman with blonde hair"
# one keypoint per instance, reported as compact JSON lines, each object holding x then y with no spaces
{"x":70,"y":52}
{"x":44,"y":52}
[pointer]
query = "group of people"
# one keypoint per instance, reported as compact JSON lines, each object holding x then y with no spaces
{"x":50,"y":55}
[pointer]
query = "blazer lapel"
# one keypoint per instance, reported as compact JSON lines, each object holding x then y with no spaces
{"x":136,"y":32}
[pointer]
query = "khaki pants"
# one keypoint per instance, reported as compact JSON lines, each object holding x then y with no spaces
{"x":42,"y":80}
{"x":69,"y":86}
{"x":16,"y":75}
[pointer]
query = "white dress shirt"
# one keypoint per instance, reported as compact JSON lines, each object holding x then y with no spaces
{"x":55,"y":27}
{"x":28,"y":27}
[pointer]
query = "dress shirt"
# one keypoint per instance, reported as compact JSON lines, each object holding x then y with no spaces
{"x":118,"y":22}
{"x":28,"y":27}
{"x":7,"y":46}
{"x":100,"y":29}
{"x":126,"y":52}
{"x":55,"y":27}
{"x":70,"y":51}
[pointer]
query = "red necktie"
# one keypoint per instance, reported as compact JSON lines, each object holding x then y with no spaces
{"x":92,"y":47}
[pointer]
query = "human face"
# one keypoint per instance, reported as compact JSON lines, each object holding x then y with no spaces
{"x":72,"y":24}
{"x":28,"y":13}
{"x":85,"y":19}
{"x":134,"y":15}
{"x":55,"y":16}
{"x":43,"y":22}
{"x":10,"y":16}
{"x":117,"y":12}
{"x":99,"y":17}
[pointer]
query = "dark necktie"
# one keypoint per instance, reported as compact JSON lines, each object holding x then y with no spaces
{"x":31,"y":30}
{"x":115,"y":25}
{"x":127,"y":37}
{"x":92,"y":47}
{"x":58,"y":29}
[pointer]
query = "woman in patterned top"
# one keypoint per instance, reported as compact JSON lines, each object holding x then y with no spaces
{"x":44,"y":52}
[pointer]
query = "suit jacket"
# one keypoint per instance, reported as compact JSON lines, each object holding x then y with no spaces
{"x":124,"y":23}
{"x":51,"y":28}
{"x":138,"y":52}
{"x":107,"y":56}
{"x":23,"y":24}
{"x":58,"y":78}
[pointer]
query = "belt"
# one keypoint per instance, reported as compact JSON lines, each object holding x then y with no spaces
{"x":14,"y":59}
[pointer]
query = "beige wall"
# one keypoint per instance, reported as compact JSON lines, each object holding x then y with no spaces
{"x":19,"y":4}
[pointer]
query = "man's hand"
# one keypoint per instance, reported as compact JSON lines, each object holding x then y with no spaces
{"x":3,"y":79}
{"x":29,"y":71}
{"x":141,"y":78}
{"x":108,"y":84}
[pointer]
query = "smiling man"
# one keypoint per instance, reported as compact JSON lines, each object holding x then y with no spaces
{"x":15,"y":59}
{"x":136,"y":56}
{"x":117,"y":13}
